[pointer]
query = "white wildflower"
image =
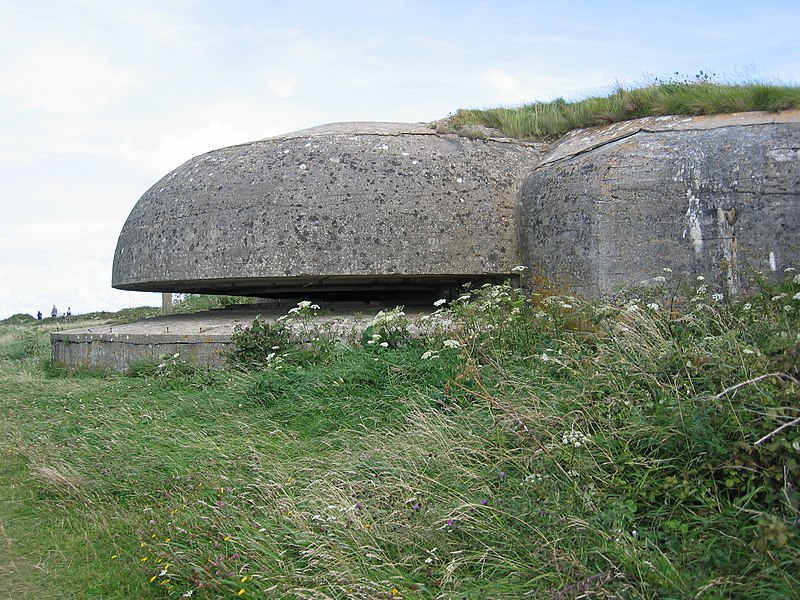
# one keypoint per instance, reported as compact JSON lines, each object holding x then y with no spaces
{"x":700,"y":278}
{"x":788,"y":308}
{"x":659,"y":278}
{"x":440,"y":302}
{"x":519,"y":269}
{"x":653,"y":306}
{"x":746,"y":306}
{"x":796,"y":296}
{"x":717,"y":297}
{"x":796,"y":278}
{"x":384,"y":344}
{"x":667,"y":270}
{"x":429,"y":355}
{"x":778,"y":298}
{"x":574,"y":438}
{"x":451,"y":343}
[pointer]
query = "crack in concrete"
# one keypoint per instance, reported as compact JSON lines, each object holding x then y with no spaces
{"x":547,"y":160}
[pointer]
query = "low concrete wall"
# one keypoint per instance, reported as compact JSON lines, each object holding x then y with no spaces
{"x":205,"y":338}
{"x":119,"y":352}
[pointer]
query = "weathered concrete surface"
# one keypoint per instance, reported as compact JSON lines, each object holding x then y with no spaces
{"x":202,"y":339}
{"x":716,"y":196}
{"x":347,"y":206}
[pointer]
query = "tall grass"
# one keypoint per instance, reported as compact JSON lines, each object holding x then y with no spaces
{"x":547,"y":120}
{"x":521,"y":445}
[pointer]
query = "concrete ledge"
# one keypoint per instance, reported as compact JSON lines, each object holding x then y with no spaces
{"x":201,"y":339}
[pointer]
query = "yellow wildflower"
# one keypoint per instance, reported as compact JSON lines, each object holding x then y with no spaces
{"x":153,"y":578}
{"x":243,"y":579}
{"x":241,"y":591}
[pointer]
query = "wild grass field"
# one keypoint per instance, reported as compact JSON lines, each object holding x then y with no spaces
{"x":522,"y":445}
{"x":680,"y":95}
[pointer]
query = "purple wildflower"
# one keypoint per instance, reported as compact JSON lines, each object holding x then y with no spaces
{"x":416,"y":506}
{"x":484,"y":502}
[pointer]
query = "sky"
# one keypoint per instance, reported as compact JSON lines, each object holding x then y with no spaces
{"x":99,"y":99}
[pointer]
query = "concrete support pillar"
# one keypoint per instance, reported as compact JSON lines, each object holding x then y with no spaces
{"x":166,"y":303}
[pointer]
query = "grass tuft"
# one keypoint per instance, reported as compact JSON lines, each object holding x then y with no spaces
{"x":549,"y":120}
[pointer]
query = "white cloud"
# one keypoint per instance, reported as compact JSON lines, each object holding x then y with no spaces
{"x":507,"y":87}
{"x":205,"y":127}
{"x":282,"y":88}
{"x":63,"y":262}
{"x":63,"y":79}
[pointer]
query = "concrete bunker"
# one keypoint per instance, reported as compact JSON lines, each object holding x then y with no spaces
{"x":344,"y":211}
{"x":397,"y":213}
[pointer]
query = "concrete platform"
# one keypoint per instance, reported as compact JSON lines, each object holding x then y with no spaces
{"x":201,"y":339}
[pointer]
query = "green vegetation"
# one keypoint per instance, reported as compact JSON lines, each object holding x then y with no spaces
{"x":518,"y":446}
{"x":548,"y":120}
{"x":191,"y":303}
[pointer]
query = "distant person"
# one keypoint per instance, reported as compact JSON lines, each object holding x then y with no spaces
{"x":69,"y":311}
{"x":39,"y":315}
{"x":54,"y":312}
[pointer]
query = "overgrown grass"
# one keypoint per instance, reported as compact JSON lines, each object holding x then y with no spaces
{"x":520,"y":446}
{"x":548,"y":120}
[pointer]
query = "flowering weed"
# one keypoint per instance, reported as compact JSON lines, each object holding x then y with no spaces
{"x":513,"y":445}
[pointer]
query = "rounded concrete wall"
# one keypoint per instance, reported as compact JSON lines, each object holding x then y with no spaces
{"x":352,"y":206}
{"x":714,"y":196}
